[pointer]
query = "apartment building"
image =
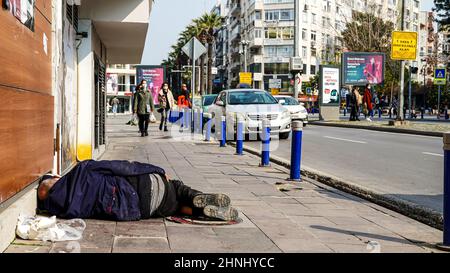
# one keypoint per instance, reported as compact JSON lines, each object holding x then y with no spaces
{"x":263,"y":32}
{"x":120,"y":84}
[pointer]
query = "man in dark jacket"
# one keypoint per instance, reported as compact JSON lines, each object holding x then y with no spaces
{"x":125,"y":191}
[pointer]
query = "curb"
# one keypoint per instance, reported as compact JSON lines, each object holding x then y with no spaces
{"x":411,"y":210}
{"x":382,"y":129}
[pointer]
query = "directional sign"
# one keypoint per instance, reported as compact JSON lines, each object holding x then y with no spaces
{"x":404,"y":45}
{"x":200,"y":49}
{"x":245,"y":77}
{"x":440,"y":77}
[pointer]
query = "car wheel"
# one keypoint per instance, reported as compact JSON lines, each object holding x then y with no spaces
{"x":285,"y":135}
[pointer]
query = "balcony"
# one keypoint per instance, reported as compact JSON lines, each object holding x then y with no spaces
{"x":256,"y":42}
{"x":235,"y":9}
{"x":256,"y":59}
{"x":276,"y":59}
{"x":117,"y":18}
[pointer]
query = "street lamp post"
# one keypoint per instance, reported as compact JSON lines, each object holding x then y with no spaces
{"x":245,"y":44}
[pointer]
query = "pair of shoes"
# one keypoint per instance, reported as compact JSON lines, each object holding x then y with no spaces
{"x":216,"y":206}
{"x":165,"y":129}
{"x":142,"y":134}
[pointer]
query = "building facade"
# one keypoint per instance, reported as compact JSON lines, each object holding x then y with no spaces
{"x":261,"y":34}
{"x":53,"y":79}
{"x":121,"y":84}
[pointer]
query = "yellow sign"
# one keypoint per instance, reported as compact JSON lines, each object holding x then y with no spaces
{"x":245,"y":77}
{"x":275,"y":91}
{"x":404,"y":45}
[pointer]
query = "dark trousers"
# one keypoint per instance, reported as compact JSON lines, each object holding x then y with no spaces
{"x":143,"y":122}
{"x":176,"y":195}
{"x":164,"y":117}
{"x":353,"y":113}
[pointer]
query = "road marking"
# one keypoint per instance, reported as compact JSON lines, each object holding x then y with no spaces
{"x":433,"y":154}
{"x":348,"y":140}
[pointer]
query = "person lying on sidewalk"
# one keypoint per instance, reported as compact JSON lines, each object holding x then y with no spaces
{"x":125,"y":191}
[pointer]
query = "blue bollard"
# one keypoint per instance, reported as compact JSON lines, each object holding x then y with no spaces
{"x":208,"y":126}
{"x":240,"y":136}
{"x":296,"y":150}
{"x":265,"y":144}
{"x":181,"y":119}
{"x":446,"y":244}
{"x":223,"y":137}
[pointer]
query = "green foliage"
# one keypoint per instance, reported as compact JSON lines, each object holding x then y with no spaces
{"x":442,"y":9}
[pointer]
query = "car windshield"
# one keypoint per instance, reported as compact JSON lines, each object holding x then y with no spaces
{"x":288,"y":101}
{"x":208,"y":100}
{"x":250,"y":97}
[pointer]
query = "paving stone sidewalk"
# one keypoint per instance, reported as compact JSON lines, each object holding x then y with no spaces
{"x":305,"y":217}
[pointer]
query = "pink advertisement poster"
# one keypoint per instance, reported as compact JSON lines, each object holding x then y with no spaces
{"x":154,"y":75}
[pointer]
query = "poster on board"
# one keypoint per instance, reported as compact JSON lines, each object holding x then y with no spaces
{"x":361,"y":68}
{"x":112,"y":81}
{"x":155,"y":77}
{"x":329,"y":85}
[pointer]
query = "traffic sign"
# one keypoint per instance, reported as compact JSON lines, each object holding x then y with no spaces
{"x":200,"y":49}
{"x":245,"y":77}
{"x":404,"y":45}
{"x":275,"y":83}
{"x":440,"y":76}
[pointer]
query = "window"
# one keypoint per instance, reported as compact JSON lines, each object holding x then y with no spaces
{"x":258,"y":15}
{"x":284,"y":33}
{"x":258,"y":33}
{"x":304,"y":34}
{"x":304,"y":51}
{"x":313,"y":18}
{"x":280,"y":15}
{"x":415,"y":28}
{"x":305,"y":17}
{"x":304,"y":68}
{"x":313,"y":69}
{"x":313,"y":35}
{"x":276,"y":68}
{"x":313,"y":52}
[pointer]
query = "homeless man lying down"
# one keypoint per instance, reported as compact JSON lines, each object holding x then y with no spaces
{"x":125,"y":191}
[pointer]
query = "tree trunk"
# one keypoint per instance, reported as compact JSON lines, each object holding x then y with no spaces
{"x":209,"y":79}
{"x":202,"y":74}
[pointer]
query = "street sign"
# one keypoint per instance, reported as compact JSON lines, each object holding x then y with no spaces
{"x":404,"y":45}
{"x":308,"y":91}
{"x":275,"y":83}
{"x":200,"y":49}
{"x":214,"y":70}
{"x":440,"y":76}
{"x":245,"y":77}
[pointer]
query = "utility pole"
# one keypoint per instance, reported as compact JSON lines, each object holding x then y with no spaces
{"x":402,"y":72}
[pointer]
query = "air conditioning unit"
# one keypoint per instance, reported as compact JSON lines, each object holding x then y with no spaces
{"x":296,"y":63}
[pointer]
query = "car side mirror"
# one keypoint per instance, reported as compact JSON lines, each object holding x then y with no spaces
{"x":220,"y":103}
{"x":282,"y":101}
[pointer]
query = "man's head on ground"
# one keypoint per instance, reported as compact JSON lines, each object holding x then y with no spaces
{"x":47,"y":182}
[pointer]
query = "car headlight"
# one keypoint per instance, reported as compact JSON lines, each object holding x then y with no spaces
{"x":303,"y":111}
{"x":286,"y":114}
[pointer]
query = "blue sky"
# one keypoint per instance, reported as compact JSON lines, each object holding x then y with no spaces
{"x":170,"y":17}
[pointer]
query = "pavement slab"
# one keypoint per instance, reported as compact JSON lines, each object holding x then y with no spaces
{"x":276,"y":217}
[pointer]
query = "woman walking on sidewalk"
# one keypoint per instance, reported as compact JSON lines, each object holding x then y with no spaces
{"x":166,"y":102}
{"x":143,"y":106}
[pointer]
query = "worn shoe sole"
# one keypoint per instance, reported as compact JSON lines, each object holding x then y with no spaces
{"x":205,"y":199}
{"x":223,"y":213}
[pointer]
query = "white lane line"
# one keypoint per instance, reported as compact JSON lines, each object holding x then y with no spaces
{"x":348,"y":140}
{"x":433,"y":154}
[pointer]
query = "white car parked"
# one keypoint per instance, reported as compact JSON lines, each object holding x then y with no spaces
{"x":253,"y":106}
{"x":297,"y":110}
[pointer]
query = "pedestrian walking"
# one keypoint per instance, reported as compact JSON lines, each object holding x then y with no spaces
{"x":353,"y":103}
{"x":359,"y":101}
{"x":115,"y":105}
{"x":393,"y":108}
{"x":368,"y":103}
{"x":183,"y":98}
{"x":143,"y":106}
{"x":166,"y":102}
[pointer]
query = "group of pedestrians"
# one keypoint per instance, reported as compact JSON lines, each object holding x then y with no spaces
{"x":367,"y":103}
{"x":144,"y":106}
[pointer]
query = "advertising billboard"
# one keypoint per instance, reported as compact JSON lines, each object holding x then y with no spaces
{"x":330,"y":82}
{"x":155,"y":77}
{"x":361,"y":68}
{"x":112,"y":81}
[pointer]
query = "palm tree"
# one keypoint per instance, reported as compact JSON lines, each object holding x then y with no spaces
{"x":209,"y":23}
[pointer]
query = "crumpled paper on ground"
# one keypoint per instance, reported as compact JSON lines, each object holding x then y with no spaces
{"x":48,"y":229}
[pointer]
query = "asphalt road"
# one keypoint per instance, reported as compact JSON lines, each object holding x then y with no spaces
{"x":409,"y":167}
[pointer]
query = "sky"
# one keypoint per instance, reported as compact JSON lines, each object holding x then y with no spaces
{"x":170,"y":17}
{"x":167,"y":20}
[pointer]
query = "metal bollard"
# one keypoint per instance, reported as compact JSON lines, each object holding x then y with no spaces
{"x":195,"y":120}
{"x":187,"y":118}
{"x":181,"y":118}
{"x":296,"y":150}
{"x":240,"y":136}
{"x":446,"y":244}
{"x":208,"y":126}
{"x":265,"y":144}
{"x":223,"y":138}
